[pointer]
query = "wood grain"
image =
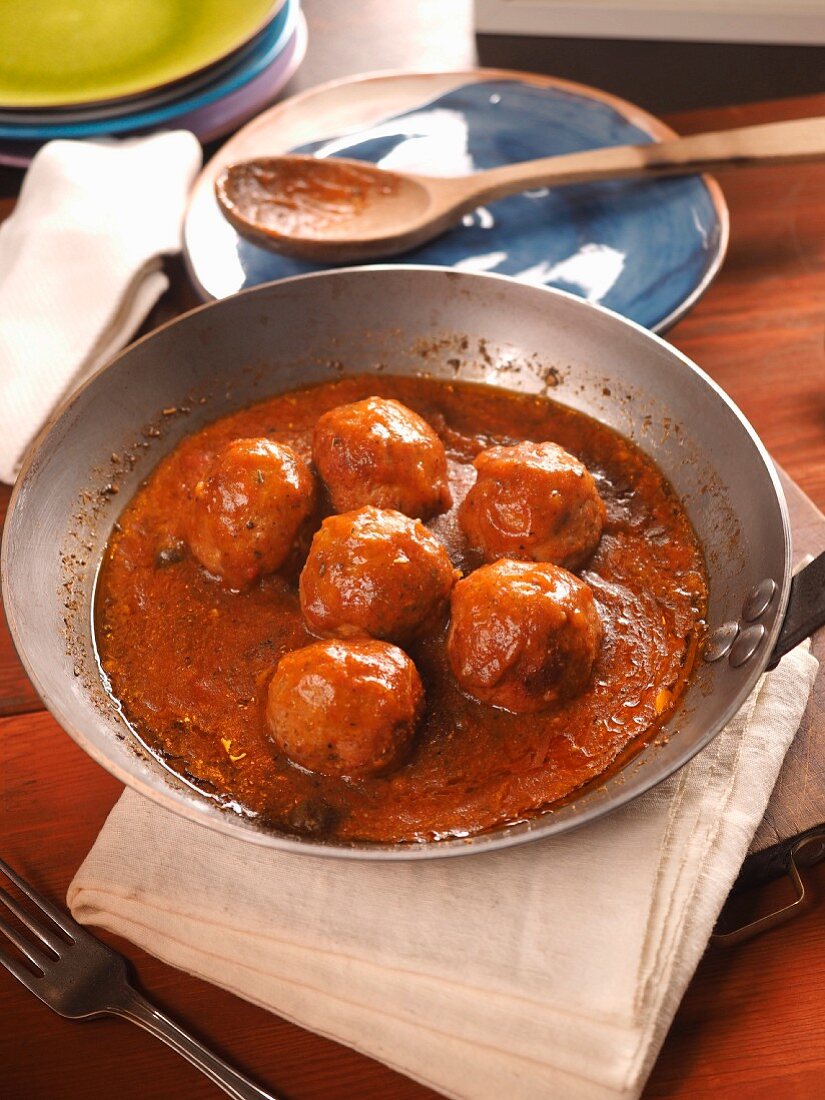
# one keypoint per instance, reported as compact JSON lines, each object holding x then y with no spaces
{"x":759,"y":330}
{"x":751,"y":1024}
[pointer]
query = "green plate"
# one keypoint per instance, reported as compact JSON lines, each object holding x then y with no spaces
{"x":56,"y":53}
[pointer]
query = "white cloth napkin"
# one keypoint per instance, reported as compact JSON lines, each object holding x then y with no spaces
{"x":549,"y":970}
{"x":80,"y":267}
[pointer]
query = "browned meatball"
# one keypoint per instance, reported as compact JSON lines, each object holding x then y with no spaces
{"x":248,"y":511}
{"x":380,"y":452}
{"x":533,"y":501}
{"x":345,"y":708}
{"x":374,"y":573}
{"x":524,"y":635}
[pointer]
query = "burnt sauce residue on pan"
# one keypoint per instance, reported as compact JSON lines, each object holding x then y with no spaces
{"x":189,"y":661}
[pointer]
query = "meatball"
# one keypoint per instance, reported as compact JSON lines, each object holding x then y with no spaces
{"x":533,"y":501}
{"x":345,"y":708}
{"x":523,"y":636}
{"x":380,"y":452}
{"x":374,"y":573}
{"x":248,"y":511}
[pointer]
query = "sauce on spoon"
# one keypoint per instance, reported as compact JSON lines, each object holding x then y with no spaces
{"x":286,"y":197}
{"x":292,"y":203}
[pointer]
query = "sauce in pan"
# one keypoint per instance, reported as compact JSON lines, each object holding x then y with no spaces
{"x":190,"y":660}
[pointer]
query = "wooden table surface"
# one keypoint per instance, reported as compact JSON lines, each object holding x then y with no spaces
{"x":751,"y":1024}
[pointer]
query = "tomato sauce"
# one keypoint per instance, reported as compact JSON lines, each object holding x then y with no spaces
{"x":305,"y":197}
{"x":189,"y":661}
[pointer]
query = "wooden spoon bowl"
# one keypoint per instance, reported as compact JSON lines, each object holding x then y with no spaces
{"x":323,"y":210}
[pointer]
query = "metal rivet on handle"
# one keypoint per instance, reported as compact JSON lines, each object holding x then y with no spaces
{"x":746,"y":645}
{"x":720,"y":640}
{"x":759,"y":599}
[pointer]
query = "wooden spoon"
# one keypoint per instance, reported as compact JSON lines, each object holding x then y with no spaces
{"x":335,"y":210}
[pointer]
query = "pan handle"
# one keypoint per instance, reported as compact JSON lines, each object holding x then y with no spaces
{"x":806,"y":609}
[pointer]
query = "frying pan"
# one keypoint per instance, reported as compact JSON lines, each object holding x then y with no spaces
{"x":405,"y":320}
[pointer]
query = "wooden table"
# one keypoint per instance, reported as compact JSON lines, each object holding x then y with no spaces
{"x":751,"y":1024}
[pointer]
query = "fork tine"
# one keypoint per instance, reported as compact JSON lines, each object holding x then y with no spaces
{"x":51,"y":939}
{"x":62,"y":920}
{"x":22,"y":973}
{"x":24,"y":945}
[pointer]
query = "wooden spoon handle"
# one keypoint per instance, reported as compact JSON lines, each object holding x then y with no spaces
{"x":772,"y":143}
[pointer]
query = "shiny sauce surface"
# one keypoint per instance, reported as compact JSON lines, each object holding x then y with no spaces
{"x":189,"y":661}
{"x":305,"y":197}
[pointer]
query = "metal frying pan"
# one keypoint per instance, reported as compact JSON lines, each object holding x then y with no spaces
{"x":483,"y":328}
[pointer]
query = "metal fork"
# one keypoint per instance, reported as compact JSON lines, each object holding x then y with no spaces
{"x":80,"y":977}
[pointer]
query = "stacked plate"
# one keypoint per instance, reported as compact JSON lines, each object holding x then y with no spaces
{"x":93,"y":68}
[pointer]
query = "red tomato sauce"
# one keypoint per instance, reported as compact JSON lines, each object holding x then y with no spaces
{"x":189,"y":661}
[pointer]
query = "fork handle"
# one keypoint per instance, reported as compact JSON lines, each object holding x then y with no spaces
{"x":136,"y":1008}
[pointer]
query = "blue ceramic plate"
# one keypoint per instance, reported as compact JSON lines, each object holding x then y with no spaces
{"x":268,"y":45}
{"x":646,"y":250}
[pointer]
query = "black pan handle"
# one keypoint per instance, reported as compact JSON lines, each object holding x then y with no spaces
{"x":806,"y":609}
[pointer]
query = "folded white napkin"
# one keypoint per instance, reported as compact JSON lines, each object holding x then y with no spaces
{"x":80,"y":267}
{"x":549,"y":970}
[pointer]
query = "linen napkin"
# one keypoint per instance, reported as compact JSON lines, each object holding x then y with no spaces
{"x":80,"y":267}
{"x":548,"y":970}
